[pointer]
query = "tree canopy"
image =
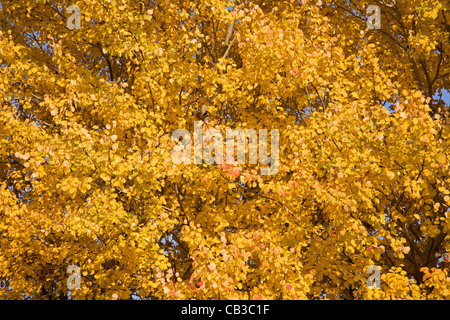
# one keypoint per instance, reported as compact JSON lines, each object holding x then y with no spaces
{"x":87,"y":178}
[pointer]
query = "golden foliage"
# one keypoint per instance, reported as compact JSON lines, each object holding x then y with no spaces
{"x":86,"y":176}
